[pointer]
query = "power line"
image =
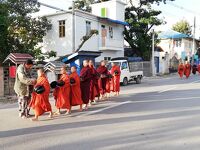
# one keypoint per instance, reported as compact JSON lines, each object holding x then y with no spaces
{"x":183,"y":8}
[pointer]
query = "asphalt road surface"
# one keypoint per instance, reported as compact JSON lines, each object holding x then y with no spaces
{"x":159,"y":114}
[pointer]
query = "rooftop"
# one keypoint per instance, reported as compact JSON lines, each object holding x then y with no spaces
{"x":17,"y":58}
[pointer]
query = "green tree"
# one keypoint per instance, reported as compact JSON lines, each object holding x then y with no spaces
{"x":141,"y":19}
{"x":24,"y":31}
{"x":182,"y":26}
{"x":4,"y":48}
{"x":85,"y":4}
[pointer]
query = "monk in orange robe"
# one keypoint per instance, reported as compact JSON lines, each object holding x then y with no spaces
{"x":94,"y":88}
{"x":103,"y":71}
{"x":62,"y":93}
{"x":187,"y":69}
{"x":115,"y":71}
{"x":181,"y":69}
{"x":40,"y":97}
{"x":85,"y":76}
{"x":75,"y":94}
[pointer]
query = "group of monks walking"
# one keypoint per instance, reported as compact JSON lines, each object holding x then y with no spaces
{"x":186,"y":69}
{"x":70,"y":90}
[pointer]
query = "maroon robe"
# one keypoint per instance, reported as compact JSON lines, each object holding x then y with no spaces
{"x":94,"y":87}
{"x":103,"y":71}
{"x":85,"y":76}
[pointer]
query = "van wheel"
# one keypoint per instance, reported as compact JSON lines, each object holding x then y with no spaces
{"x":125,"y":81}
{"x":138,"y":80}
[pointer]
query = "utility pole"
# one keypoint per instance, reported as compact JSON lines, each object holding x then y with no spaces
{"x":193,"y":44}
{"x":153,"y":49}
{"x":73,"y":27}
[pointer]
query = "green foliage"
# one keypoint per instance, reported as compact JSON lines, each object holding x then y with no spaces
{"x":141,"y":19}
{"x":182,"y":26}
{"x":4,"y":48}
{"x":85,"y":4}
{"x":42,"y":56}
{"x":24,"y":31}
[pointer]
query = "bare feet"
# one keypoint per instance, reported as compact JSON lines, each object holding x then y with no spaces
{"x":90,"y":103}
{"x":57,"y":113}
{"x":34,"y":119}
{"x":24,"y":117}
{"x":68,"y":112}
{"x":81,"y":108}
{"x":86,"y":107}
{"x":51,"y":115}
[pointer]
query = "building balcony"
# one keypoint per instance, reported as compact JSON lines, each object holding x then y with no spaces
{"x":111,"y":44}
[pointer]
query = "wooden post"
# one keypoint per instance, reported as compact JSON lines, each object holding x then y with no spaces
{"x":1,"y":81}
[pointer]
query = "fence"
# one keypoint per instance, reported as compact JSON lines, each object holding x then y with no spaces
{"x":9,"y":82}
{"x":144,"y":66}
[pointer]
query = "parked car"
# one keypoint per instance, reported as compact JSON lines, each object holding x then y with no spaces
{"x":127,"y":74}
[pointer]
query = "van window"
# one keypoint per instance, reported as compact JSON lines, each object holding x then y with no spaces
{"x":109,"y":66}
{"x":124,"y":65}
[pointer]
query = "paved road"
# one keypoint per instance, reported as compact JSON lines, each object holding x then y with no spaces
{"x":159,"y":114}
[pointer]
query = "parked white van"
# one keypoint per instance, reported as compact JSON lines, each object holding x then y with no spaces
{"x":127,"y":72}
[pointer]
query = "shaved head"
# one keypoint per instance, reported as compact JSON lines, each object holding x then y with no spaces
{"x":73,"y":69}
{"x":63,"y":70}
{"x":40,"y":72}
{"x":85,"y":63}
{"x":103,"y":63}
{"x":91,"y":63}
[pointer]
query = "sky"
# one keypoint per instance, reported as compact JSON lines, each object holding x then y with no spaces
{"x":187,"y":9}
{"x":183,"y":9}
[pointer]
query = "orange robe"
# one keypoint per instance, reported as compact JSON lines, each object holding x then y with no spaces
{"x":187,"y":70}
{"x":62,"y":94}
{"x":40,"y":102}
{"x":115,"y":79}
{"x":75,"y":90}
{"x":181,"y":70}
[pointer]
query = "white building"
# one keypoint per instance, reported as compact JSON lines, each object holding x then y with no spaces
{"x":106,"y":17}
{"x":177,"y":44}
{"x":174,"y":45}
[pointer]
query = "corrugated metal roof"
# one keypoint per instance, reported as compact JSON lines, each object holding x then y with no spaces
{"x":171,"y":34}
{"x":54,"y":66}
{"x":114,"y":21}
{"x":18,"y":58}
{"x":69,"y":58}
